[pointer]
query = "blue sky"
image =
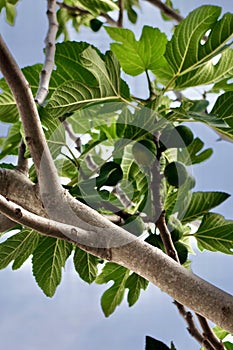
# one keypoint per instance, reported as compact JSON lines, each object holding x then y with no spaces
{"x":73,"y":319}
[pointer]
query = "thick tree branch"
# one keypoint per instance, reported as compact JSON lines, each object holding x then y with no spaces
{"x":49,"y":53}
{"x":168,"y":11}
{"x":34,"y":136}
{"x":17,"y":187}
{"x":145,"y":260}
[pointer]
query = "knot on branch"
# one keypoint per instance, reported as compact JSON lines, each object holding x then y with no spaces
{"x":18,"y":213}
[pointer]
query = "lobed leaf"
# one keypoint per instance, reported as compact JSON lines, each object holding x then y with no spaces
{"x":188,"y":59}
{"x":194,"y":154}
{"x":139,"y":56}
{"x":185,"y":51}
{"x":135,"y":283}
{"x":114,"y":295}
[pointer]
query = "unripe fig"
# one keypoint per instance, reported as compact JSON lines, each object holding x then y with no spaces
{"x":176,"y":174}
{"x":178,"y":137}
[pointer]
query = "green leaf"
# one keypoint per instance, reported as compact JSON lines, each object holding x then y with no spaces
{"x":185,"y":52}
{"x":114,"y":295}
{"x":193,"y":154}
{"x":228,"y":345}
{"x":182,"y":252}
{"x":136,"y":178}
{"x":197,"y":113}
{"x":11,"y":142}
{"x":73,"y":95}
{"x":132,"y":14}
{"x":48,"y":260}
{"x":135,"y":283}
{"x":201,"y":203}
{"x":223,"y":85}
{"x":176,"y":201}
{"x":223,"y":108}
{"x":86,"y":265}
{"x":209,"y":73}
{"x":10,"y":13}
{"x":95,"y":7}
{"x":220,"y":333}
{"x":8,"y":109}
{"x":138,"y":56}
{"x":215,"y":234}
{"x":152,"y":344}
{"x":18,"y":248}
{"x":10,"y":9}
{"x":189,"y":59}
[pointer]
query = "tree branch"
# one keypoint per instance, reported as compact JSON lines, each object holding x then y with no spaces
{"x":49,"y":53}
{"x":192,"y":329}
{"x":145,"y":260}
{"x":168,"y":11}
{"x":170,"y":248}
{"x":121,"y":11}
{"x":209,"y":335}
{"x":34,"y":136}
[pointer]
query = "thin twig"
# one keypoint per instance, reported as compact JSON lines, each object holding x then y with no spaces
{"x":72,"y":135}
{"x":157,"y":203}
{"x":168,"y":11}
{"x":166,"y":236}
{"x":22,"y":164}
{"x":208,"y":333}
{"x":49,"y":53}
{"x":121,"y":12}
{"x":192,"y":329}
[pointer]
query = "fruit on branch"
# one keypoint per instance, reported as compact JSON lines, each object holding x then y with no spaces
{"x":179,"y":137}
{"x":176,"y":174}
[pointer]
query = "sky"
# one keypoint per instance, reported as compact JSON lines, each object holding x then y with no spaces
{"x":73,"y":318}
